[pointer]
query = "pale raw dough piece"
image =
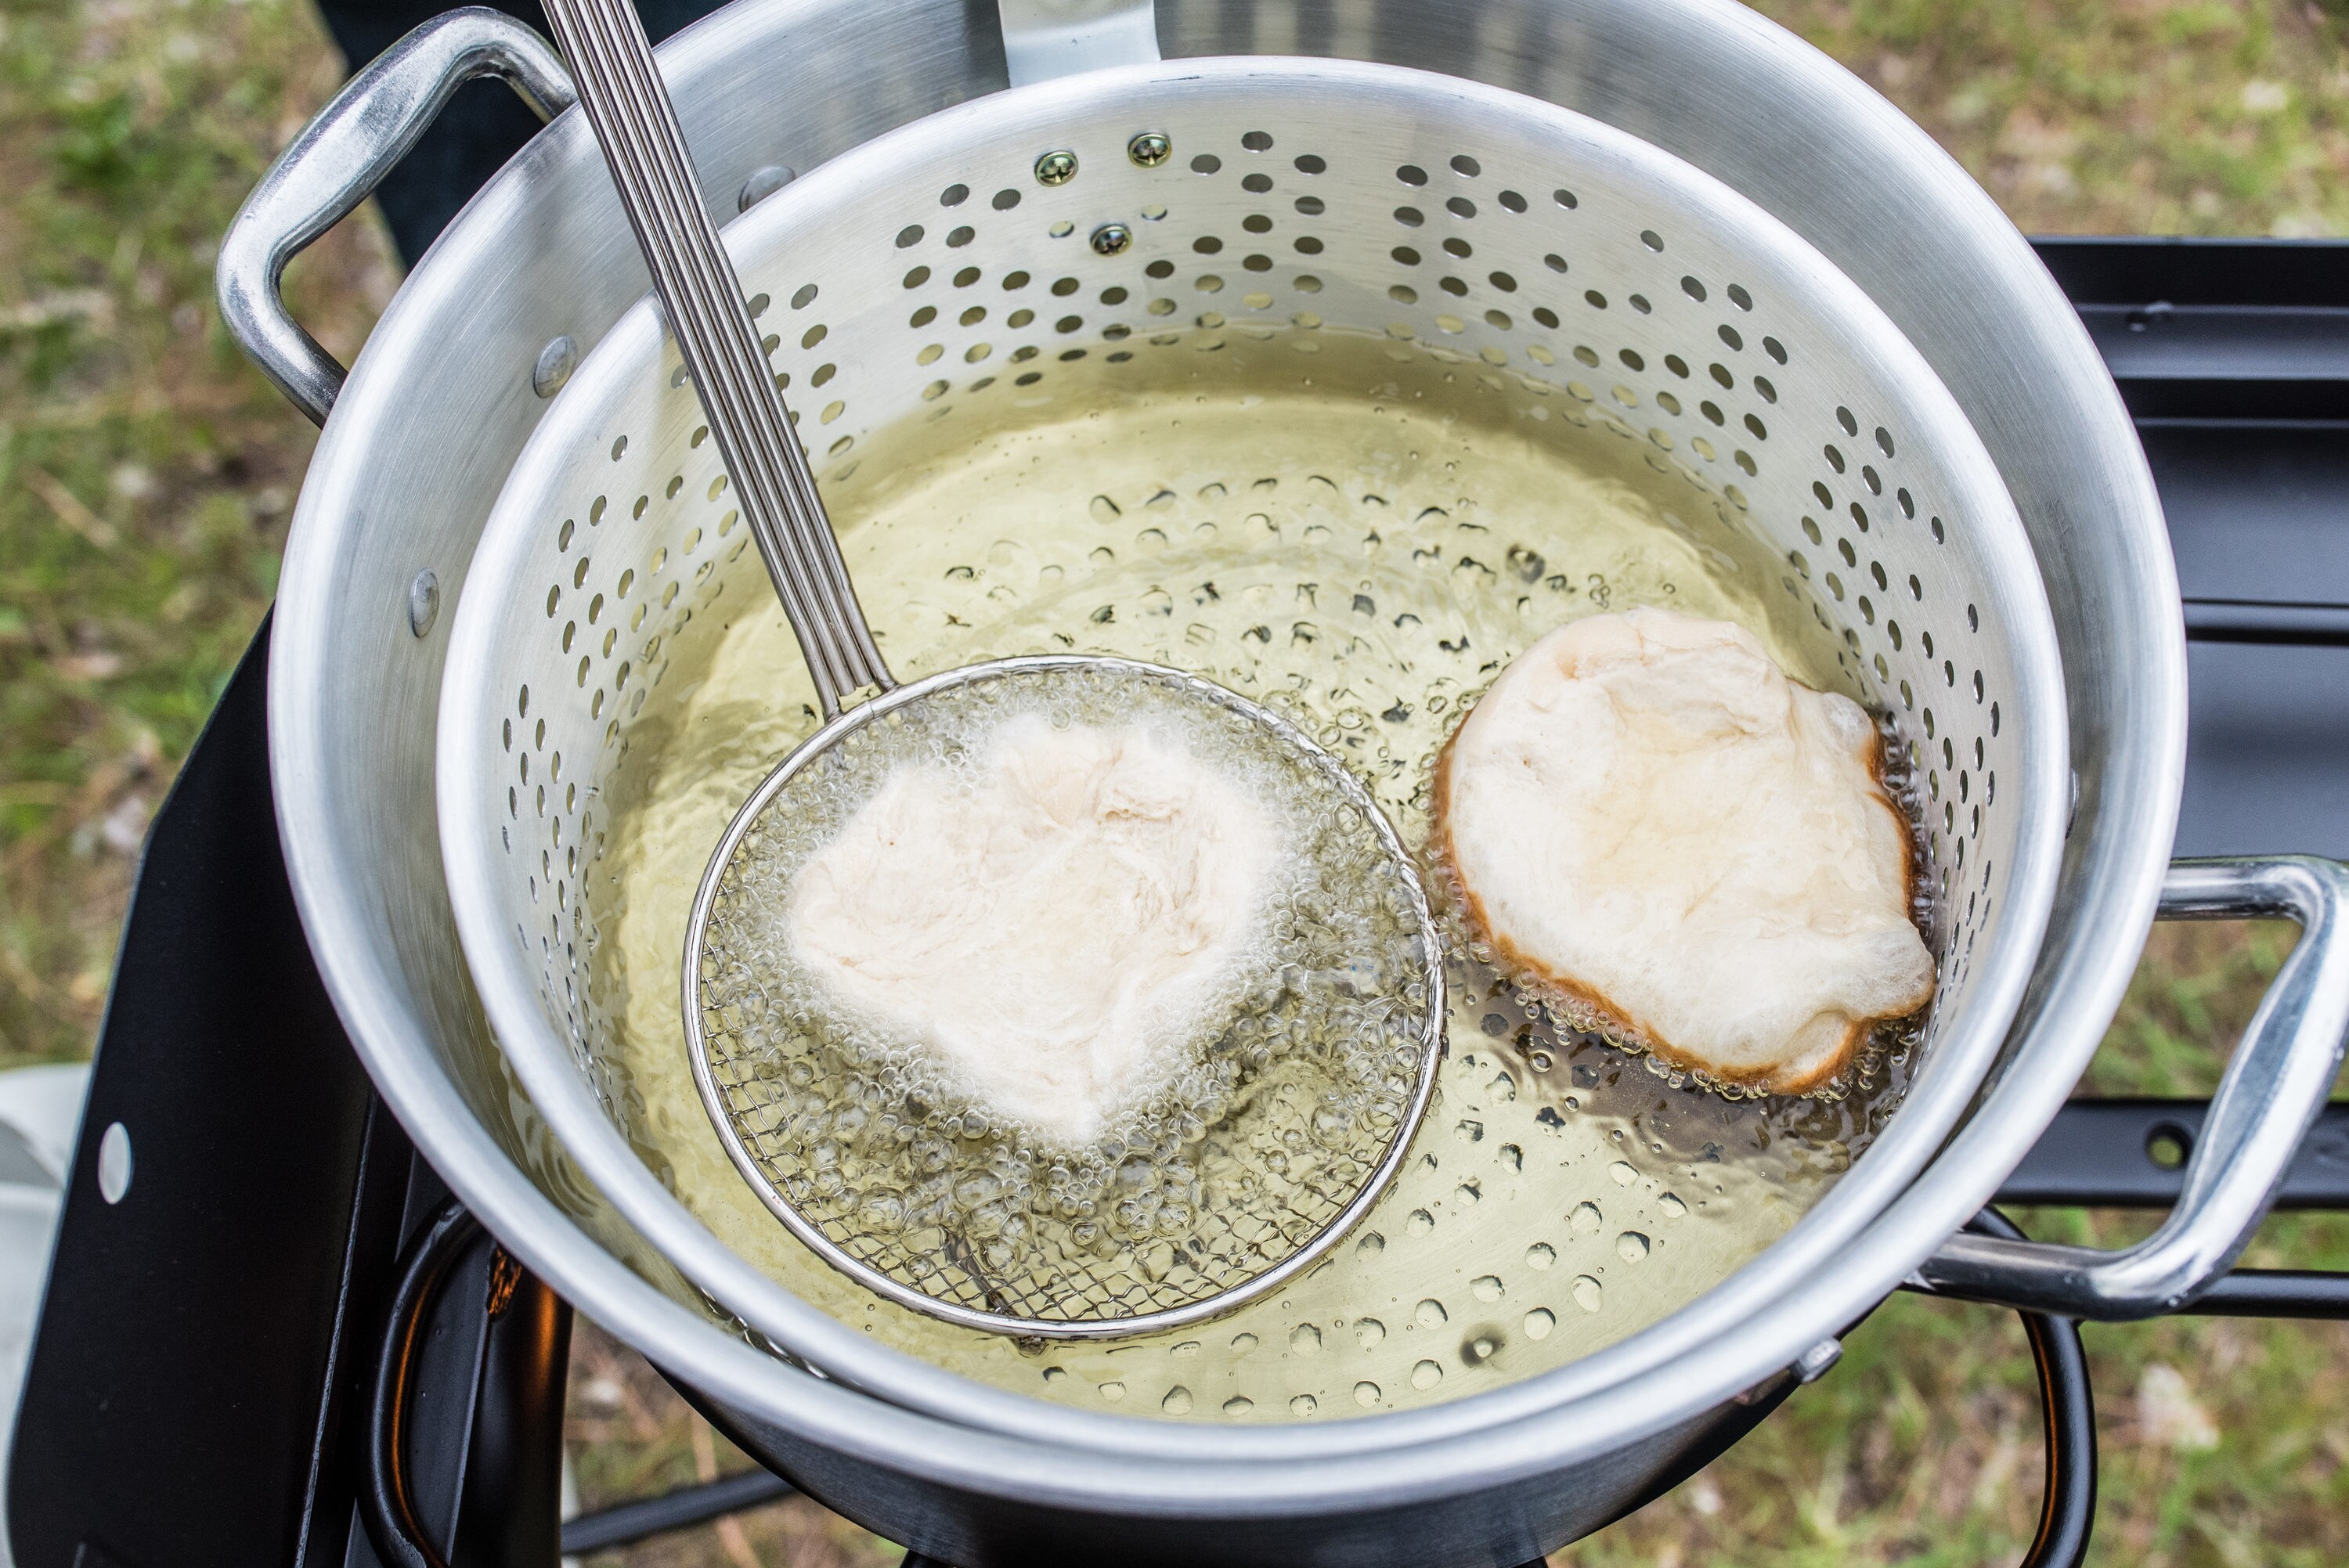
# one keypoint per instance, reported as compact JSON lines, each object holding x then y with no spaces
{"x":1646,"y":812}
{"x":1056,"y":923}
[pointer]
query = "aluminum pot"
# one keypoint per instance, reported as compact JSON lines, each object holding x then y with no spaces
{"x":539,"y":266}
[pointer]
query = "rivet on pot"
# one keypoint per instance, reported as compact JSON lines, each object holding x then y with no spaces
{"x":1151,"y":148}
{"x":1056,"y":168}
{"x":1111,"y":238}
{"x":555,"y":363}
{"x":764,"y":183}
{"x":423,"y":602}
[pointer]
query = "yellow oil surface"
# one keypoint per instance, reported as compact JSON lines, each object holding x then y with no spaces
{"x":1362,"y":534}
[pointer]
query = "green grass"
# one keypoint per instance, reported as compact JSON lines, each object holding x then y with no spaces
{"x":630,"y":1435}
{"x":147,"y":474}
{"x":2189,"y":117}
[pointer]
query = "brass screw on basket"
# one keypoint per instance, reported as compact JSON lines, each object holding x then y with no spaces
{"x":1151,"y":148}
{"x":1056,"y":168}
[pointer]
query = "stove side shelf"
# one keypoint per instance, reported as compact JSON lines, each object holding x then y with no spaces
{"x":2233,"y":355}
{"x":196,"y":1389}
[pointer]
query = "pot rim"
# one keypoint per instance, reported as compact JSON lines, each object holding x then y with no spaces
{"x":1962,"y":1052}
{"x":396,"y":1040}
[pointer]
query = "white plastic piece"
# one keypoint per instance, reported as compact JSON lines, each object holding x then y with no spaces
{"x":43,"y":1105}
{"x":42,"y":1108}
{"x":1047,"y":38}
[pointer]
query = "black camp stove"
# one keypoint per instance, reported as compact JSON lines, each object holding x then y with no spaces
{"x":291,"y":1346}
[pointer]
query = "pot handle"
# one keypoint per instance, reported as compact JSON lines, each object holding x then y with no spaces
{"x":2279,"y":1080}
{"x":337,"y":162}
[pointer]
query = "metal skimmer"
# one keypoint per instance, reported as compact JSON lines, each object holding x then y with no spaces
{"x":1302,"y":1112}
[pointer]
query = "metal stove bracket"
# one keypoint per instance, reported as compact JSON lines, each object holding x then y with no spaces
{"x":2131,"y":1154}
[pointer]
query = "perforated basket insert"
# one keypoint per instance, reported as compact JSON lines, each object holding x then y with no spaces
{"x":1578,"y":277}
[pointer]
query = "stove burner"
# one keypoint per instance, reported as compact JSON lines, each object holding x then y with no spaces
{"x":200,"y":1391}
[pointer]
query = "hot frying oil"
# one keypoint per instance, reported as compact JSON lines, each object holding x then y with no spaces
{"x":1361,"y":535}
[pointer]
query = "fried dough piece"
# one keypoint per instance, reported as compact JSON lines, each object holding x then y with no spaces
{"x":1646,"y":813}
{"x":1055,"y":924}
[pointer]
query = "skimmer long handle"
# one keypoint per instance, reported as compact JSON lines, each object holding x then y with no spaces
{"x":621,"y":90}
